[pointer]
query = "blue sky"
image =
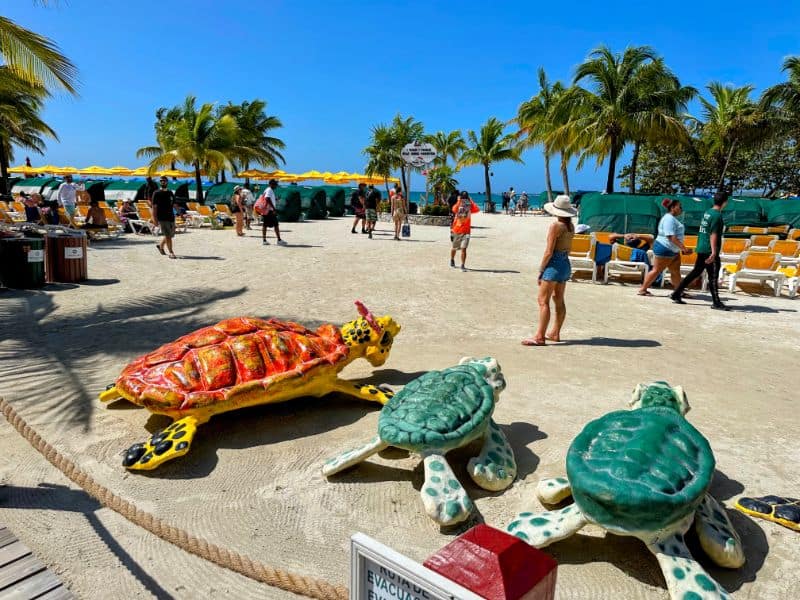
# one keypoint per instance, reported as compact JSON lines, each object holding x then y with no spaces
{"x":331,"y":70}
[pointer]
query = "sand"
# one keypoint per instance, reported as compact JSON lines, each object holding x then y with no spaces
{"x":252,"y":481}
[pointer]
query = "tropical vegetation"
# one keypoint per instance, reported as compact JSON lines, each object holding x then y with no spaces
{"x":212,"y":139}
{"x":488,"y":146}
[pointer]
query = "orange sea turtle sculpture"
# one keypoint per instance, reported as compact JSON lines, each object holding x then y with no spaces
{"x":243,"y":362}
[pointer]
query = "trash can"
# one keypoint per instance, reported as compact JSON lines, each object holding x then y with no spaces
{"x":66,"y":257}
{"x":22,"y":262}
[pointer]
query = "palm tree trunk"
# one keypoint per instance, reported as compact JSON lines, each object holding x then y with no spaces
{"x":548,"y":184}
{"x":488,"y":183}
{"x":564,"y":175}
{"x":223,"y":176}
{"x":3,"y":169}
{"x":198,"y":180}
{"x":612,"y":166}
{"x":721,"y":182}
{"x":634,"y":159}
{"x":403,"y":181}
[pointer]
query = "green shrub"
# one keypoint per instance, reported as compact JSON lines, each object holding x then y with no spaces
{"x":436,"y":210}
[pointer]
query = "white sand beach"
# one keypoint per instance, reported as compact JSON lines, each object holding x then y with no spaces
{"x":252,"y":481}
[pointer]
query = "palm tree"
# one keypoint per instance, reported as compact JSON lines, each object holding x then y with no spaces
{"x":405,"y":131}
{"x":20,"y":122}
{"x":448,"y":145}
{"x":199,"y":138}
{"x":604,"y":117}
{"x":658,"y":116}
{"x":382,"y":154}
{"x":255,"y":145}
{"x":35,"y":59}
{"x":785,"y":96}
{"x":442,"y":181}
{"x":730,"y":121}
{"x":490,"y":146}
{"x":536,"y":120}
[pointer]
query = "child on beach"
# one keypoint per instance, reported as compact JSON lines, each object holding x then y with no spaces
{"x":461,"y":228}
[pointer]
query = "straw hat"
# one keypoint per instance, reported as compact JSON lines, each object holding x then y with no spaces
{"x":560,"y":207}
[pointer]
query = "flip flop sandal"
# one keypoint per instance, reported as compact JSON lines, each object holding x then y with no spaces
{"x":533,"y":342}
{"x":172,"y":256}
{"x":160,"y":249}
{"x":643,"y":294}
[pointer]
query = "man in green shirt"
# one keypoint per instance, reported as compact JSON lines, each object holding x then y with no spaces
{"x":709,"y":242}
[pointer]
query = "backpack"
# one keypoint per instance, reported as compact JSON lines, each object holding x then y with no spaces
{"x":262,"y":206}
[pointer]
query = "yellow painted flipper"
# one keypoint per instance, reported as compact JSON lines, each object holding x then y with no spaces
{"x":169,"y":443}
{"x":784,"y":511}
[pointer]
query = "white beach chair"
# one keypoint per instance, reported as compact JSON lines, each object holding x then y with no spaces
{"x":761,"y":241}
{"x":581,"y":254}
{"x":621,"y":263}
{"x":789,"y":251}
{"x":761,"y":266}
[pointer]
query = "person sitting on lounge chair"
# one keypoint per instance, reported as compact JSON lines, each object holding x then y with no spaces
{"x":95,"y":218}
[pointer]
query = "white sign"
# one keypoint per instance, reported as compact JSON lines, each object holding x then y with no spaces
{"x":35,"y":256}
{"x":379,"y":573}
{"x":418,"y":154}
{"x":74,"y":252}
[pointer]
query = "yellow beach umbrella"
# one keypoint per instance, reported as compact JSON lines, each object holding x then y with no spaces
{"x":22,"y":169}
{"x":95,"y":170}
{"x":120,"y":171}
{"x":45,"y":169}
{"x":176,"y":173}
{"x":312,"y":175}
{"x":65,"y":171}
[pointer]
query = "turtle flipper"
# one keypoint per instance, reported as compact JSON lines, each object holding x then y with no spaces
{"x":685,"y":578}
{"x":373,"y":393}
{"x":353,"y":457}
{"x":784,"y":511}
{"x":717,"y":535}
{"x":554,"y":490}
{"x":443,"y":496}
{"x":495,"y":468}
{"x":110,"y":393}
{"x":542,"y":529}
{"x":169,"y":443}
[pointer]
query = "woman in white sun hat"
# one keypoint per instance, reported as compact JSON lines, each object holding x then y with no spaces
{"x":554,"y":271}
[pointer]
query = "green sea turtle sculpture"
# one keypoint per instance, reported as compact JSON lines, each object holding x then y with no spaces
{"x":644,"y":473}
{"x":436,"y":413}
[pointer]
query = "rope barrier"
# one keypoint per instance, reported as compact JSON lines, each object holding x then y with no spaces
{"x":229,"y":559}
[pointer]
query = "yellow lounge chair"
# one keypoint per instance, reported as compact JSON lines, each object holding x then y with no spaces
{"x":794,"y":234}
{"x":761,"y":266}
{"x":622,"y":264}
{"x":792,"y":275}
{"x":761,"y":241}
{"x":581,"y":254}
{"x":753,"y":230}
{"x":789,"y":251}
{"x":779,"y":229}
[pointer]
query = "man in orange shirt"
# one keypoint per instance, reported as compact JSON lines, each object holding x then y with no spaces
{"x":461,"y":228}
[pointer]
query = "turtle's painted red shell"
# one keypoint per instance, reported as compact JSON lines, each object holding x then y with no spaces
{"x":237,"y":355}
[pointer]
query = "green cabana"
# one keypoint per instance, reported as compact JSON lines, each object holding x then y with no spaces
{"x":289,"y":204}
{"x":125,"y":190}
{"x":784,"y":212}
{"x":219,"y":193}
{"x":33,"y":185}
{"x":313,"y":201}
{"x":620,"y":213}
{"x":743,"y":210}
{"x":335,"y":200}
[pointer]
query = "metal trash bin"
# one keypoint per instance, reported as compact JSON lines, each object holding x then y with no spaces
{"x":66,"y":257}
{"x":22,"y":262}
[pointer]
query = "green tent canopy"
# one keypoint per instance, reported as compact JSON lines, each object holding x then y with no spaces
{"x":289,"y":204}
{"x":620,"y":213}
{"x":784,"y":212}
{"x":313,"y":201}
{"x":219,"y":193}
{"x":33,"y":185}
{"x":335,"y":200}
{"x":743,"y":210}
{"x":125,"y":190}
{"x":693,"y":210}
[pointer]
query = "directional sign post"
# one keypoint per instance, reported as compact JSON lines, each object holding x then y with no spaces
{"x":417,"y":155}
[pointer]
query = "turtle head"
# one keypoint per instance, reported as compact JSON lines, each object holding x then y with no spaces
{"x":659,"y":393}
{"x":370,"y":337}
{"x":490,"y":370}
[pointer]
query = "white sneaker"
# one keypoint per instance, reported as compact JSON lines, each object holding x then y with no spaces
{"x":281,"y":243}
{"x":265,"y":243}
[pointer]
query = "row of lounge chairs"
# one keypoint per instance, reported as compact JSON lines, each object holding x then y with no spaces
{"x":763,"y":257}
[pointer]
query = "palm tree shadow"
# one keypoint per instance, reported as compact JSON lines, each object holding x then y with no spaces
{"x":62,"y":498}
{"x":53,"y":345}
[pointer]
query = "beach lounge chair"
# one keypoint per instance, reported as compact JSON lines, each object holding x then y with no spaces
{"x":735,"y":229}
{"x":581,"y":254}
{"x":18,"y":207}
{"x":752,"y":230}
{"x":115,"y":226}
{"x":207,"y":214}
{"x":621,"y":263}
{"x":761,"y":266}
{"x":761,"y":241}
{"x":789,"y":251}
{"x":690,"y":241}
{"x":792,"y":275}
{"x":794,"y":234}
{"x":732,"y":249}
{"x":193,"y":206}
{"x":779,"y":229}
{"x":145,"y":220}
{"x":224,"y":209}
{"x":65,"y":220}
{"x":603,"y":237}
{"x":687,"y":264}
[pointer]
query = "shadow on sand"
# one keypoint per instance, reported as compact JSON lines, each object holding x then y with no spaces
{"x":609,"y":343}
{"x":54,"y":497}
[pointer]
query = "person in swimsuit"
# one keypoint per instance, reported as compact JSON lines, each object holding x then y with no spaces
{"x":554,"y":271}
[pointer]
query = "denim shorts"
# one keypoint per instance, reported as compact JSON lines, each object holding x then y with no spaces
{"x":558,"y":268}
{"x":661,"y":251}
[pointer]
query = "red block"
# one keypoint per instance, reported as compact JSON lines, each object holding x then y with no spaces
{"x":496,"y":566}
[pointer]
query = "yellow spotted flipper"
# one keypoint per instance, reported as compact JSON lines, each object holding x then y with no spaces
{"x":784,"y":511}
{"x":169,"y":443}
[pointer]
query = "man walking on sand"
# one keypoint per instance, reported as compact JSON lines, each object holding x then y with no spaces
{"x":265,"y":206}
{"x":461,"y":228}
{"x":357,"y":203}
{"x":163,"y":212}
{"x":709,"y":243}
{"x":67,"y":195}
{"x":371,"y":208}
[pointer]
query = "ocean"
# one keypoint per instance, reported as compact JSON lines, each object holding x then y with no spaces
{"x":478,"y":197}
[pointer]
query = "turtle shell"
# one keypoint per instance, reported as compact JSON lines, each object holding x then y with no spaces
{"x":639,"y":470}
{"x":235,"y":356}
{"x":440,"y":409}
